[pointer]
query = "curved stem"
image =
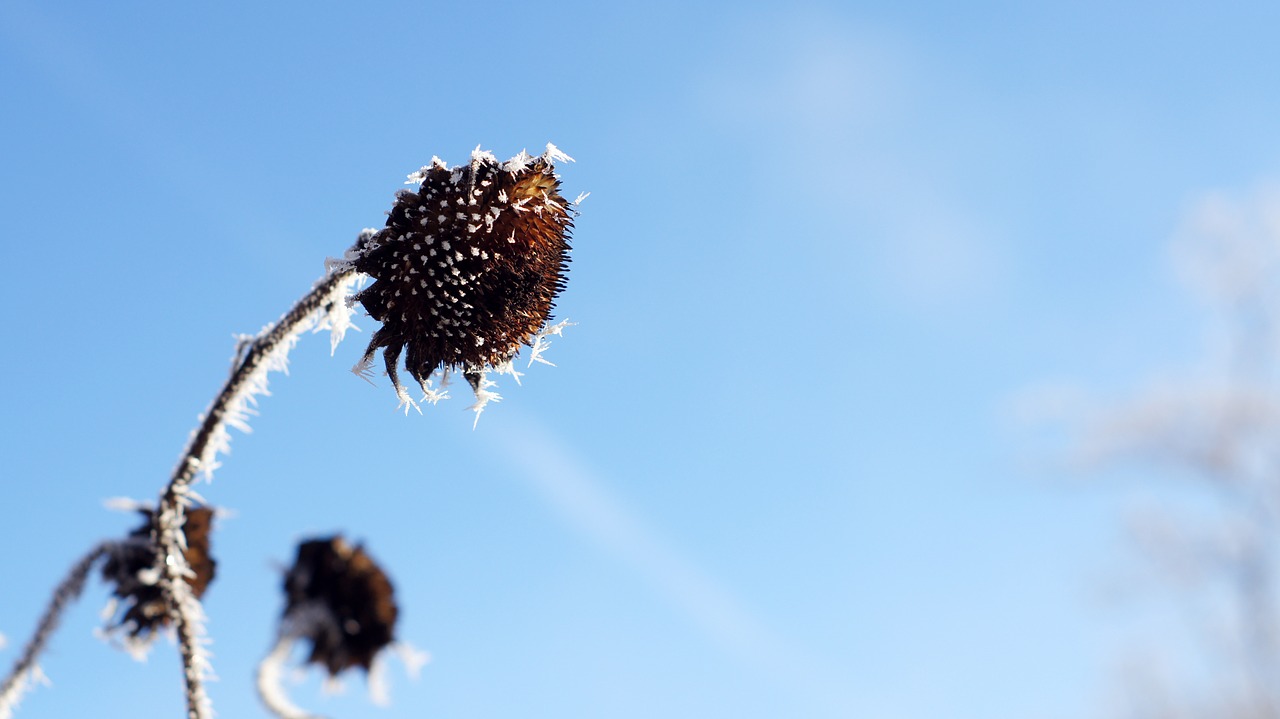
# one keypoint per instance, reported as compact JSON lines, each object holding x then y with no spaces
{"x":19,"y":678}
{"x":267,"y":351}
{"x":270,"y":682}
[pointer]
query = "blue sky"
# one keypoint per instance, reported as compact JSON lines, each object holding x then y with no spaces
{"x":775,"y":471}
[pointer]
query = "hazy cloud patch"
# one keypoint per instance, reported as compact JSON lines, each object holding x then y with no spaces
{"x":839,"y":109}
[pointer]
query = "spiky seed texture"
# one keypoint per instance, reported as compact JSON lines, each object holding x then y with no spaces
{"x":467,"y":268}
{"x":130,"y":570}
{"x":353,"y":596}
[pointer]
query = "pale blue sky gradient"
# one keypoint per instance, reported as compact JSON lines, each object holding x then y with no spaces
{"x":775,"y":472}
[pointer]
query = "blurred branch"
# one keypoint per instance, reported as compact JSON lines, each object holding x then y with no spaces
{"x":1222,"y":432}
{"x":25,"y":668}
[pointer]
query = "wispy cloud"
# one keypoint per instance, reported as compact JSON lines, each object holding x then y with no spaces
{"x":580,"y":496}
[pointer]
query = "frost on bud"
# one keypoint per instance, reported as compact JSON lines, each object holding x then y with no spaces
{"x":468,"y":268}
{"x":131,"y":571}
{"x":340,"y":601}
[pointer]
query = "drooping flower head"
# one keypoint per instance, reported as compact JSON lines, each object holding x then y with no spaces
{"x":467,"y":269}
{"x":341,"y":601}
{"x":131,"y":571}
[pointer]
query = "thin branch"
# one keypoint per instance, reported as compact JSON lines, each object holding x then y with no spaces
{"x":324,"y":305}
{"x":19,"y":678}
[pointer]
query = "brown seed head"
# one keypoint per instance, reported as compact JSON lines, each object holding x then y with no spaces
{"x":342,"y":602}
{"x":467,"y":268}
{"x":130,"y":569}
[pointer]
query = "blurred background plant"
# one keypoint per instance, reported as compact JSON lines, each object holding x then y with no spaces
{"x":1205,"y":440}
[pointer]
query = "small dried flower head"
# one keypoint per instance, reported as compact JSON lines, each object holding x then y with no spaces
{"x":467,"y":268}
{"x":130,"y":569}
{"x":341,"y":601}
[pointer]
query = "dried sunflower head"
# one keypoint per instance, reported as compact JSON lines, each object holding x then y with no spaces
{"x":467,"y":269}
{"x":131,"y":571}
{"x":340,"y":601}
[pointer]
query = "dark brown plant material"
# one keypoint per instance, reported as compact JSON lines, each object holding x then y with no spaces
{"x":468,"y":268}
{"x":130,"y":569}
{"x":341,"y":601}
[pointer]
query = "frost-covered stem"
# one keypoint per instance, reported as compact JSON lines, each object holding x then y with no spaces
{"x":187,"y":617}
{"x":68,"y":591}
{"x":271,"y":682}
{"x":247,"y":378}
{"x":257,"y":354}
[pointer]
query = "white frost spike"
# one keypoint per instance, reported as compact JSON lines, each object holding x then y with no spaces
{"x":364,"y":369}
{"x":483,"y":397}
{"x":126,"y":504}
{"x":509,"y":367}
{"x":337,"y":319}
{"x":334,"y":686}
{"x":363,"y":244}
{"x":554,"y":155}
{"x":376,"y":680}
{"x":578,"y":200}
{"x":20,"y":685}
{"x":431,"y":394}
{"x":411,"y":657}
{"x":518,"y":163}
{"x":542,"y":344}
{"x":406,"y":401}
{"x":478,"y":155}
{"x":138,"y":648}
